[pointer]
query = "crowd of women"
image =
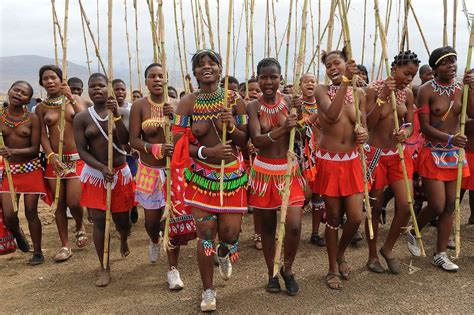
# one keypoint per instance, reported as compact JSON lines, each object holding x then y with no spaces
{"x":326,"y":171}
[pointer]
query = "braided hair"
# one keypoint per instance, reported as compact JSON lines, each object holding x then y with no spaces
{"x":405,"y":57}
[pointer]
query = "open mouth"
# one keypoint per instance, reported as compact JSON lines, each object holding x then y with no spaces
{"x":207,"y":74}
{"x":334,"y":75}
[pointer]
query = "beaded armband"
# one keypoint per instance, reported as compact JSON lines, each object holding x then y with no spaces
{"x":183,"y":121}
{"x":241,"y":120}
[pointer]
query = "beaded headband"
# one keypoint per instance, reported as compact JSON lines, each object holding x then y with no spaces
{"x":444,"y":56}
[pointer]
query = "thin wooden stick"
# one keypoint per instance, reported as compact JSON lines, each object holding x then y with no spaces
{"x":455,"y":16}
{"x":398,"y":21}
{"x":236,"y":42}
{"x":98,"y":32}
{"x":167,"y":211}
{"x":445,"y":22}
{"x":91,"y":34}
{"x":88,"y":61}
{"x":128,"y":50}
{"x":405,"y":28}
{"x":11,"y":186}
{"x":219,"y":26}
{"x":383,"y":41}
{"x":288,"y":36}
{"x":252,"y":7}
{"x":135,"y":8}
{"x":58,"y":25}
{"x":282,"y":39}
{"x":267,"y":31}
{"x":318,"y":50}
{"x":363,"y":33}
{"x":374,"y":52}
{"x":313,"y":39}
{"x":330,"y":32}
{"x":110,"y":125}
{"x":319,"y":42}
{"x":420,"y":29}
{"x":55,"y":35}
{"x":201,"y":22}
{"x":209,"y":25}
{"x":465,"y":97}
{"x":197,"y":40}
{"x":296,"y":41}
{"x":177,"y":41}
{"x":62,"y":119}
{"x":151,"y":11}
{"x":247,"y":48}
{"x":388,"y":13}
{"x":186,"y":86}
{"x":274,"y":29}
{"x":347,"y":40}
{"x":290,"y":155}
{"x":226,"y":89}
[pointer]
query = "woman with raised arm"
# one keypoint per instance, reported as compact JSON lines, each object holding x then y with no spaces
{"x":339,"y":178}
{"x":197,"y":127}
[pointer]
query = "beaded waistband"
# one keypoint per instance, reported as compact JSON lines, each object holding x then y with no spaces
{"x":27,"y":167}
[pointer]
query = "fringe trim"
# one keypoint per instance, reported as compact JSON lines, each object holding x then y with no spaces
{"x":259,"y":181}
{"x":95,"y":177}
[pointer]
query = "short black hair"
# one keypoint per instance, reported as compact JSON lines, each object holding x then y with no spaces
{"x":197,"y":57}
{"x":231,"y":80}
{"x":25,"y":83}
{"x":423,"y":69}
{"x":183,"y":93}
{"x":137,"y":91}
{"x":171,"y":88}
{"x":97,"y":75}
{"x":441,"y":53}
{"x":73,"y":80}
{"x":268,"y":62}
{"x":155,"y":64}
{"x":53,"y":68}
{"x":116,"y":81}
{"x":405,"y":57}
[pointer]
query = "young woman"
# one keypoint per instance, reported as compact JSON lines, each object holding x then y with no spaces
{"x":308,"y":85}
{"x":70,"y":167}
{"x":468,"y":182}
{"x":270,"y":123}
{"x":90,"y":131}
{"x":21,"y":134}
{"x":439,"y":101}
{"x":339,"y":177}
{"x":383,"y":158}
{"x":148,"y":137}
{"x":198,"y":126}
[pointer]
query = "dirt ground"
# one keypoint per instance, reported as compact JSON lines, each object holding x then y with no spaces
{"x":138,"y":286}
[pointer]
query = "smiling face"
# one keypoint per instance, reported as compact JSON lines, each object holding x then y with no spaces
{"x":335,"y":68}
{"x":19,"y":94}
{"x":207,"y":71}
{"x":404,"y":74}
{"x":269,"y":80}
{"x":446,"y":69}
{"x":154,"y":80}
{"x":120,"y":91}
{"x":98,"y":90}
{"x":308,"y":84}
{"x":51,"y":82}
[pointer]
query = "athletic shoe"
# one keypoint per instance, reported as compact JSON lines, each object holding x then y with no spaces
{"x":154,"y":251}
{"x":291,"y":285}
{"x":174,"y":280}
{"x":36,"y":259}
{"x":225,"y":267}
{"x":441,"y":260}
{"x":68,"y":213}
{"x":273,"y":285}
{"x":208,"y":302}
{"x":451,"y":244}
{"x":413,"y":245}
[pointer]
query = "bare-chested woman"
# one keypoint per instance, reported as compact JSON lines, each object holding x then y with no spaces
{"x":21,"y":133}
{"x":383,"y":159}
{"x":339,"y":177}
{"x":90,"y":131}
{"x":439,"y":101}
{"x":198,"y":126}
{"x":70,"y":167}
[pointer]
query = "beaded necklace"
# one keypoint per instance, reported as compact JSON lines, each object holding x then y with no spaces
{"x":332,"y":90}
{"x":310,"y":107}
{"x":400,"y":94}
{"x":14,"y":122}
{"x":208,"y":105}
{"x":270,"y":112}
{"x":54,"y":102}
{"x":449,"y":89}
{"x":157,"y":118}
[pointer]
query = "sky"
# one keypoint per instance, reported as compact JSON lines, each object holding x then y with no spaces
{"x":26,"y":28}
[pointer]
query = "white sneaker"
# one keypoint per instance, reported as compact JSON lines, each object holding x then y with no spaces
{"x":174,"y":280}
{"x":413,"y":245}
{"x":225,"y":267}
{"x":441,"y":260}
{"x":154,"y":251}
{"x":208,"y":303}
{"x":451,"y":244}
{"x":68,"y":213}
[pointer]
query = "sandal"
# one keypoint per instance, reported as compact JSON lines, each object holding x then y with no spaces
{"x":333,"y":281}
{"x":63,"y":255}
{"x":344,"y":272}
{"x":81,"y":239}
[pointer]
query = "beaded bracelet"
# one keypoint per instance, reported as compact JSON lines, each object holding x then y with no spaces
{"x":157,"y":151}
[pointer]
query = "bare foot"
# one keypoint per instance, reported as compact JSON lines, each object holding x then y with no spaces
{"x":104,"y":278}
{"x":124,"y":250}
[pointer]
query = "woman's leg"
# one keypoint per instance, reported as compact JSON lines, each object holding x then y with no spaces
{"x":34,"y":223}
{"x":292,"y":236}
{"x":445,"y":220}
{"x":73,"y":197}
{"x":269,"y":219}
{"x":98,"y":217}
{"x":123,"y":225}
{"x":377,"y":204}
{"x":333,"y":220}
{"x":353,"y":206}
{"x":60,"y":212}
{"x":206,"y":229}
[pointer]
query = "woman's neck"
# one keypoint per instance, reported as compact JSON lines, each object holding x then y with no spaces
{"x":270,"y":99}
{"x":209,"y":88}
{"x":157,"y":98}
{"x":15,"y":110}
{"x":54,"y":95}
{"x":445,"y":81}
{"x":99,"y":106}
{"x":309,"y":98}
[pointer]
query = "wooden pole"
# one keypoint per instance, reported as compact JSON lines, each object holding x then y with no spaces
{"x":136,"y":46}
{"x":219,"y":26}
{"x":201,"y":21}
{"x":288,"y":36}
{"x":11,"y":187}
{"x":405,"y":42}
{"x":374,"y":52}
{"x":455,"y":15}
{"x":195,"y":27}
{"x":421,"y":30}
{"x":55,"y":35}
{"x":128,"y":50}
{"x":319,"y":42}
{"x":290,"y":154}
{"x":209,"y":24}
{"x":313,"y":39}
{"x":247,"y":48}
{"x":318,"y":50}
{"x":383,"y":41}
{"x":98,"y":31}
{"x":177,"y":41}
{"x":445,"y":22}
{"x":465,"y":97}
{"x":388,"y":13}
{"x":63,"y":105}
{"x":151,"y":11}
{"x":110,"y":125}
{"x":399,"y":8}
{"x":347,"y":40}
{"x":296,"y":41}
{"x":363,"y":33}
{"x":330,"y":32}
{"x":274,"y":29}
{"x":252,"y":7}
{"x":91,"y":34}
{"x":267,"y":30}
{"x":226,"y":89}
{"x":168,"y":135}
{"x":186,"y":86}
{"x":236,"y":42}
{"x":88,"y":61}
